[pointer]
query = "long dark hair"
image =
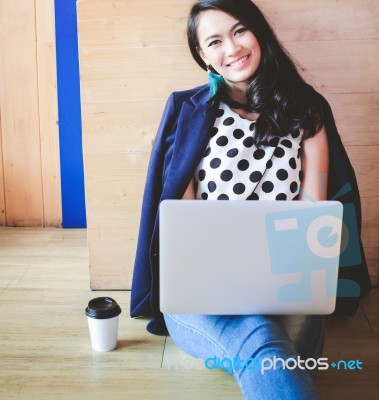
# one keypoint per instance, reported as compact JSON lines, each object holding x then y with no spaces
{"x":284,"y":101}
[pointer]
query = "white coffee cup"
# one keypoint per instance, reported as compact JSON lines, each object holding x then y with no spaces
{"x":103,"y":315}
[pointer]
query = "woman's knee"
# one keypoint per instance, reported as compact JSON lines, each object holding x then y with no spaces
{"x":194,"y":334}
{"x":268,"y":338}
{"x":231,"y":336}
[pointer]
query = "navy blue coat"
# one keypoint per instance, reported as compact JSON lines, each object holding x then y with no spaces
{"x":179,"y":145}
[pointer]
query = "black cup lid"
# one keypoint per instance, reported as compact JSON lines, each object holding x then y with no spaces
{"x":103,"y":308}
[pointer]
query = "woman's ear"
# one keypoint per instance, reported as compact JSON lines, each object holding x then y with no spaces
{"x":201,"y":54}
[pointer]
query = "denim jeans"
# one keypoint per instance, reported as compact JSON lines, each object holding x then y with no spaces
{"x":254,"y":337}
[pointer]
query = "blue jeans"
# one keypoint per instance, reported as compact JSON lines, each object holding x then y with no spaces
{"x":253,"y":337}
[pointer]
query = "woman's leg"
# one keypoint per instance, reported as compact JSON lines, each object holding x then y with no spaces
{"x":307,"y":333}
{"x":242,"y":338}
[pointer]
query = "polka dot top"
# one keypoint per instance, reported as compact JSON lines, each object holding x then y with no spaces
{"x":233,"y":168}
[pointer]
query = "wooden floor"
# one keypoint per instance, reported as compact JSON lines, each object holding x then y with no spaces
{"x":45,"y":350}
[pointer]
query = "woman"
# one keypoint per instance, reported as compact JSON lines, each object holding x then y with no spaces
{"x":257,"y":131}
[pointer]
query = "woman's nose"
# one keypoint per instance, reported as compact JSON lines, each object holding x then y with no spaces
{"x":232,"y":47}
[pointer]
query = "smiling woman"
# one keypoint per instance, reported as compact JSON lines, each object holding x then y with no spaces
{"x":263,"y":134}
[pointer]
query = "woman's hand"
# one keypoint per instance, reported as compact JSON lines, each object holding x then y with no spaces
{"x":315,"y":165}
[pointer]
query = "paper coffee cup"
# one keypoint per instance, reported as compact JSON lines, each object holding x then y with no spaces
{"x":103,"y":314}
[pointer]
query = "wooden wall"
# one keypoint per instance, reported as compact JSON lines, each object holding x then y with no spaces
{"x":29,"y":150}
{"x":133,"y":54}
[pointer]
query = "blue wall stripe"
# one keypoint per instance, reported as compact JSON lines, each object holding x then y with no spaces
{"x":70,"y":125}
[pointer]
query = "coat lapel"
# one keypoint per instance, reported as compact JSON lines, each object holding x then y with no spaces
{"x":195,"y":121}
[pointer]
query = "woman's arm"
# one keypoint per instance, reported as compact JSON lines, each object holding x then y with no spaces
{"x":315,"y":165}
{"x":190,"y":193}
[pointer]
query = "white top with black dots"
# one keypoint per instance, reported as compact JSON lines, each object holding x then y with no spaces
{"x":233,"y":168}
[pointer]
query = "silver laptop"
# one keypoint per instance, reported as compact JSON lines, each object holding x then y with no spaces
{"x":249,"y":257}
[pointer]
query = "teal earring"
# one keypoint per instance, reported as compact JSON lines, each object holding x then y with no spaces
{"x":215,"y":81}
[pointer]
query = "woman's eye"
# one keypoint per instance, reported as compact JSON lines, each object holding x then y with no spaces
{"x":213,"y":43}
{"x":240,"y":31}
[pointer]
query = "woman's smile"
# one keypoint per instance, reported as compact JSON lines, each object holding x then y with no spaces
{"x":239,"y":62}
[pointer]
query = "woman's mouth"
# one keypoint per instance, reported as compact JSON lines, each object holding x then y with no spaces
{"x":238,"y":62}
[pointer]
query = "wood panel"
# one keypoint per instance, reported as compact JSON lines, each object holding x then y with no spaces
{"x":19,"y":104}
{"x":356,"y":116}
{"x":372,"y":259}
{"x":364,"y":160}
{"x":330,"y":67}
{"x":133,"y":54}
{"x":324,"y":21}
{"x":48,"y":112}
{"x":2,"y":198}
{"x":370,"y":218}
{"x":28,"y":101}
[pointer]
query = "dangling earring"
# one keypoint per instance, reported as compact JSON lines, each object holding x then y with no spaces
{"x":215,"y":81}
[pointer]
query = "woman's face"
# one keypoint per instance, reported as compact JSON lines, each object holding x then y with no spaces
{"x":230,"y":48}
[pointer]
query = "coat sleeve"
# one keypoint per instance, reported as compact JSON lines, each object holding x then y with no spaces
{"x":142,"y":275}
{"x":342,"y":186}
